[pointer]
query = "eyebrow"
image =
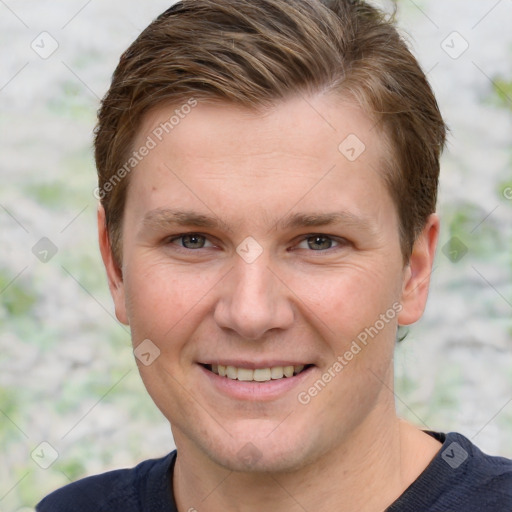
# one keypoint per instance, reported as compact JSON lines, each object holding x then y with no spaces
{"x":298,"y":220}
{"x":164,"y":218}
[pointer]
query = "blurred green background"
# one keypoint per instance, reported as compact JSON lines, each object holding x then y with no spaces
{"x":67,"y":374}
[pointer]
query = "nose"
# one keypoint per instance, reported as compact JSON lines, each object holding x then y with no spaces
{"x":253,"y":300}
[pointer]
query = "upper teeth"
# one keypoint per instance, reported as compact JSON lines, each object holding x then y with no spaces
{"x":258,"y":375}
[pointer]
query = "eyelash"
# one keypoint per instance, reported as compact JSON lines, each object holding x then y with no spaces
{"x":337,"y":240}
{"x":174,"y":238}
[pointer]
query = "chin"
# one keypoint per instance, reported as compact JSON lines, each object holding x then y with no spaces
{"x":262,"y":454}
{"x":252,"y":460}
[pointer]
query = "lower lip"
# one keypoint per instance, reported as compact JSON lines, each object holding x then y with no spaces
{"x":255,"y":391}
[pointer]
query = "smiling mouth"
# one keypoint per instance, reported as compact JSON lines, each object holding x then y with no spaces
{"x":257,"y":374}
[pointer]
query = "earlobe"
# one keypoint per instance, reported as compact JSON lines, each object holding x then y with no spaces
{"x":417,"y":274}
{"x":114,"y":274}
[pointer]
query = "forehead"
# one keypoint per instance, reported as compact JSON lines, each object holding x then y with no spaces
{"x":302,"y":146}
{"x":294,"y":125}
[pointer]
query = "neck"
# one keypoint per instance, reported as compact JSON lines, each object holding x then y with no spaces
{"x":367,"y":473}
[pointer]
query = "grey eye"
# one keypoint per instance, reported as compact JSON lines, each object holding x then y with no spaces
{"x":192,"y":241}
{"x":319,"y":243}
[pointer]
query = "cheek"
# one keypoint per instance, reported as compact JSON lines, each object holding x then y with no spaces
{"x":164,"y":306}
{"x":160,"y":297}
{"x":347,"y":300}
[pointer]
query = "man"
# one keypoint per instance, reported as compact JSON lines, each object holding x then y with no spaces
{"x":268,"y":177}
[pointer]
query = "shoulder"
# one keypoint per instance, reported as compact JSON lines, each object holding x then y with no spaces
{"x":461,"y":477}
{"x":478,"y":481}
{"x":459,"y":452}
{"x":125,"y":490}
{"x":475,"y":478}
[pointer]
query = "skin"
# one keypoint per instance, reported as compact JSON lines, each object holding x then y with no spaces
{"x":302,"y":300}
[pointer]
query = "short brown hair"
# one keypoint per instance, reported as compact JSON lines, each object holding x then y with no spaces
{"x":253,"y":53}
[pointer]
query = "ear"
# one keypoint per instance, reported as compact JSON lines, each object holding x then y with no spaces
{"x":114,"y":273}
{"x":417,"y":273}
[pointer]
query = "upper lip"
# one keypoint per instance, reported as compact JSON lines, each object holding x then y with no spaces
{"x":252,"y":365}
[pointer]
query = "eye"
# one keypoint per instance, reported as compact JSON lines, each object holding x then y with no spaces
{"x":191,"y":241}
{"x":319,"y":243}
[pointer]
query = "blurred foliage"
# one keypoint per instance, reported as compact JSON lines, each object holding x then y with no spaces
{"x":72,"y":468}
{"x":71,"y":103}
{"x":50,"y":195}
{"x":471,"y":224}
{"x":9,"y":409}
{"x":85,"y":267}
{"x":66,"y":194}
{"x":86,"y":384}
{"x":18,"y":297}
{"x":503,"y":90}
{"x":505,"y":187}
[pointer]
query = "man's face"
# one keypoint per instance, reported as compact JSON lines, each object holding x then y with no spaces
{"x":257,"y":241}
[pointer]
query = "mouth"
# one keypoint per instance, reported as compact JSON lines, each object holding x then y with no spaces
{"x":256,"y":374}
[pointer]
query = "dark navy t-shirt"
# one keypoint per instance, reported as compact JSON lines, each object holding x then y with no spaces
{"x":460,"y":478}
